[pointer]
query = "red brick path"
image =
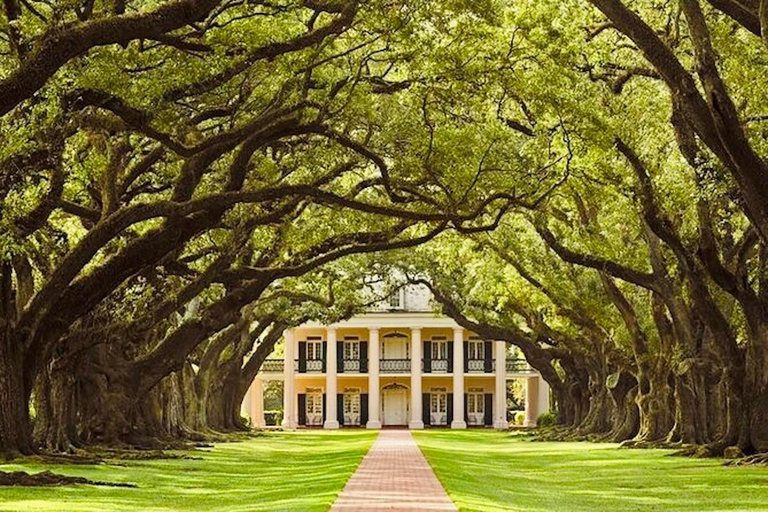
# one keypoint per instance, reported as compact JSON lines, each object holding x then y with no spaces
{"x":393,"y":476}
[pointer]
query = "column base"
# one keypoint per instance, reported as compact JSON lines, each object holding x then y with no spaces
{"x":501,"y":425}
{"x":529,"y":423}
{"x":331,"y":424}
{"x":260,"y":424}
{"x":458,"y":424}
{"x":288,"y":424}
{"x":416,"y":425}
{"x":373,"y":425}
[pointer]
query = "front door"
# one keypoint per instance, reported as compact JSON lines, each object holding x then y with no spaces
{"x":396,"y":348}
{"x":315,"y":409}
{"x":352,"y":408}
{"x":438,"y":408}
{"x":475,"y":408}
{"x":395,"y":405}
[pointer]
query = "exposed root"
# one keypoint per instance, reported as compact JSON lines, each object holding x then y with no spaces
{"x":83,"y":458}
{"x":758,"y":459}
{"x":119,"y":454}
{"x":48,"y":479}
{"x":658,"y":445}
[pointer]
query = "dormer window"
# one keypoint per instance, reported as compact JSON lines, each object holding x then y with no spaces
{"x":396,"y":300}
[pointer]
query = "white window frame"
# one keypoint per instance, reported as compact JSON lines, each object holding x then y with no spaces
{"x":352,"y":349}
{"x":476,"y":349}
{"x":439,"y":349}
{"x":314,"y":349}
{"x":396,"y":300}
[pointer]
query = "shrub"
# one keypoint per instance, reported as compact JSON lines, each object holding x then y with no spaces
{"x":519,"y":418}
{"x":273,"y":418}
{"x":547,"y":419}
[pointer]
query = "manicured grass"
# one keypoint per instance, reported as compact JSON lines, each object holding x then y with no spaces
{"x":297,"y":471}
{"x":494,"y":471}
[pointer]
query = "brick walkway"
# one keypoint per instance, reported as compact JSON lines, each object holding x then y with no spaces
{"x":393,"y":476}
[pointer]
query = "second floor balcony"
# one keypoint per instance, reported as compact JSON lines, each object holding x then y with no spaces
{"x":389,"y":366}
{"x":395,"y":366}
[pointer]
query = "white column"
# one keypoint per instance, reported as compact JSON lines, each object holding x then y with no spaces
{"x":543,"y":397}
{"x":257,"y":403}
{"x":374,"y":391}
{"x":245,"y":407}
{"x":500,"y":397}
{"x":531,"y":401}
{"x":458,"y":379}
{"x":416,"y":349}
{"x":331,"y":411}
{"x":289,"y":393}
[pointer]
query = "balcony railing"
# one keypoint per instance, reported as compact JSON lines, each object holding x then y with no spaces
{"x":439,"y":366}
{"x":272,"y":366}
{"x":351,"y":366}
{"x":476,"y":365}
{"x":395,"y":365}
{"x":314,"y":365}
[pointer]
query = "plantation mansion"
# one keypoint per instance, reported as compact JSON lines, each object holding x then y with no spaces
{"x":398,"y":365}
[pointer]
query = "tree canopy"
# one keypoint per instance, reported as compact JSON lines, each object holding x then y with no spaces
{"x":182,"y":180}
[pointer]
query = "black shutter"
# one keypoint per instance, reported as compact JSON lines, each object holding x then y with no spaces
{"x":466,"y":408}
{"x":363,"y":409}
{"x":325,"y":355}
{"x":488,"y":357}
{"x":488,"y":409}
{"x":450,"y":409}
{"x":340,"y":408}
{"x":302,"y":409}
{"x":340,"y":357}
{"x":363,"y":357}
{"x":450,"y":356}
{"x":427,"y":357}
{"x":466,"y":357}
{"x":425,"y":408}
{"x":324,"y":416}
{"x":302,"y":357}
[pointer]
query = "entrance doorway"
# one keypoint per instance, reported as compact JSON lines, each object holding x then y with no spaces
{"x":438,"y":406}
{"x":352,"y":407}
{"x":475,"y":407}
{"x":395,"y":405}
{"x":314,"y":407}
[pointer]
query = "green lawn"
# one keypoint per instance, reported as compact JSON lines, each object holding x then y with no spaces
{"x":300,"y":471}
{"x":492,"y":471}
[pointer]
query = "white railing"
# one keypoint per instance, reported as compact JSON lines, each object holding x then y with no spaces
{"x":476,"y":365}
{"x":439,"y":366}
{"x":351,"y":365}
{"x":314,"y":365}
{"x":395,"y":365}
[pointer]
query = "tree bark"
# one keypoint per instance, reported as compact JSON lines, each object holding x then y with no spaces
{"x":15,"y":427}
